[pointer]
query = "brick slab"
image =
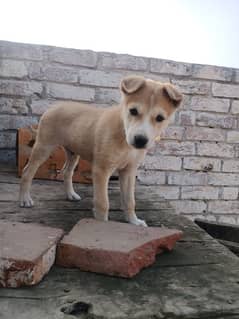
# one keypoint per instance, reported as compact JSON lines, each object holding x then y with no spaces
{"x":52,"y":167}
{"x":27,"y":252}
{"x":113,"y":248}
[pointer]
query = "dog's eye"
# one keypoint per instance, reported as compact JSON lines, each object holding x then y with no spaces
{"x":160,"y":118}
{"x":134,"y":111}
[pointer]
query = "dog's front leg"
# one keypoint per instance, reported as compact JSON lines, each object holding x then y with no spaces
{"x":127,"y":188}
{"x":100,"y":186}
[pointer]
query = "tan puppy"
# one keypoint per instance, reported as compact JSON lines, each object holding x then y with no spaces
{"x":110,"y":138}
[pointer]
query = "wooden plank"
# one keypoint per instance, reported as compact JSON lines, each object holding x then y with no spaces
{"x":198,"y":279}
{"x":221,"y":231}
{"x":170,"y":292}
{"x":66,"y":218}
{"x":234,"y":247}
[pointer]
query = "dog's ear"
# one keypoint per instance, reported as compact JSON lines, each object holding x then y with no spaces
{"x":132,"y":84}
{"x":172,"y":94}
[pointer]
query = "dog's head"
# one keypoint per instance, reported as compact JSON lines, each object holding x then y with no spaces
{"x":147,"y":108}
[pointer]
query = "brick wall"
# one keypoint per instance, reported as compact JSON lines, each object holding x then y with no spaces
{"x":196,"y":165}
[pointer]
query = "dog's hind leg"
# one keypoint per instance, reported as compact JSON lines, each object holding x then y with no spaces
{"x":39,"y":154}
{"x":68,"y":171}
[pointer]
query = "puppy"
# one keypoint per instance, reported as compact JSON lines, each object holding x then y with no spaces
{"x":115,"y":138}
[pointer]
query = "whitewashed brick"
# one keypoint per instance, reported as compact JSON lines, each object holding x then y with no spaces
{"x":163,"y":163}
{"x":235,"y":107}
{"x":233,"y":136}
{"x":175,"y":148}
{"x":40,"y":106}
{"x":100,"y":78}
{"x":223,"y":179}
{"x":168,"y":192}
{"x":19,"y":88}
{"x":170,"y":67}
{"x":202,"y":164}
{"x":123,"y":61}
{"x":57,"y":74}
{"x":11,"y":68}
{"x":206,"y":217}
{"x":216,"y":120}
{"x":231,"y":166}
{"x":201,"y":103}
{"x":153,"y":76}
{"x":212,"y":72}
{"x":225,"y":90}
{"x":210,"y":218}
{"x":13,"y":106}
{"x":69,"y":92}
{"x":230,"y":193}
{"x":236,"y":75}
{"x":7,"y":139}
{"x":13,"y":122}
{"x":215,"y":149}
{"x":228,"y":219}
{"x":187,"y":178}
{"x":37,"y":71}
{"x":187,"y":118}
{"x":173,"y":133}
{"x":22,"y":51}
{"x":151,"y":177}
{"x":74,"y":57}
{"x":189,"y":206}
{"x":204,"y":134}
{"x":223,"y":207}
{"x":193,"y":217}
{"x":108,"y":96}
{"x":193,"y":87}
{"x":236,"y":147}
{"x":199,"y":192}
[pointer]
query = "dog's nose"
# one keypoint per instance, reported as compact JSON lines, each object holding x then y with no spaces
{"x":140,"y":141}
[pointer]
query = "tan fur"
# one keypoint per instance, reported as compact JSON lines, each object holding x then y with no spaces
{"x":105,"y":137}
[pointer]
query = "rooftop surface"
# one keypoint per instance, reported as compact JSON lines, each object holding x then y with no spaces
{"x":198,"y":279}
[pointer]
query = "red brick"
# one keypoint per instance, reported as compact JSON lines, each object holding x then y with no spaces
{"x":27,"y":252}
{"x":52,"y":167}
{"x":113,"y":248}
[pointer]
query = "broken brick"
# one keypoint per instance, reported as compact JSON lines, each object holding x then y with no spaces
{"x":113,"y":248}
{"x":52,"y":167}
{"x":27,"y":252}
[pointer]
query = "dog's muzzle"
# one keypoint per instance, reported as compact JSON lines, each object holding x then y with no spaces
{"x":140,"y":141}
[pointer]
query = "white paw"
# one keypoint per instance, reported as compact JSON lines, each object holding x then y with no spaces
{"x":26,"y":201}
{"x":73,"y":196}
{"x":136,"y":221}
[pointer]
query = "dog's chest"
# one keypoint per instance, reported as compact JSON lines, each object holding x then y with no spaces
{"x":132,"y":157}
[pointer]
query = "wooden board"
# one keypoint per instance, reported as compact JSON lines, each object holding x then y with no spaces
{"x":198,"y":279}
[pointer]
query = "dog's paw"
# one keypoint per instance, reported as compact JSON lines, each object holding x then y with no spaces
{"x":73,"y":196}
{"x":26,"y":201}
{"x":139,"y":222}
{"x":134,"y":220}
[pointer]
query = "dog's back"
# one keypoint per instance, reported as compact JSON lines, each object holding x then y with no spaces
{"x":69,"y":124}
